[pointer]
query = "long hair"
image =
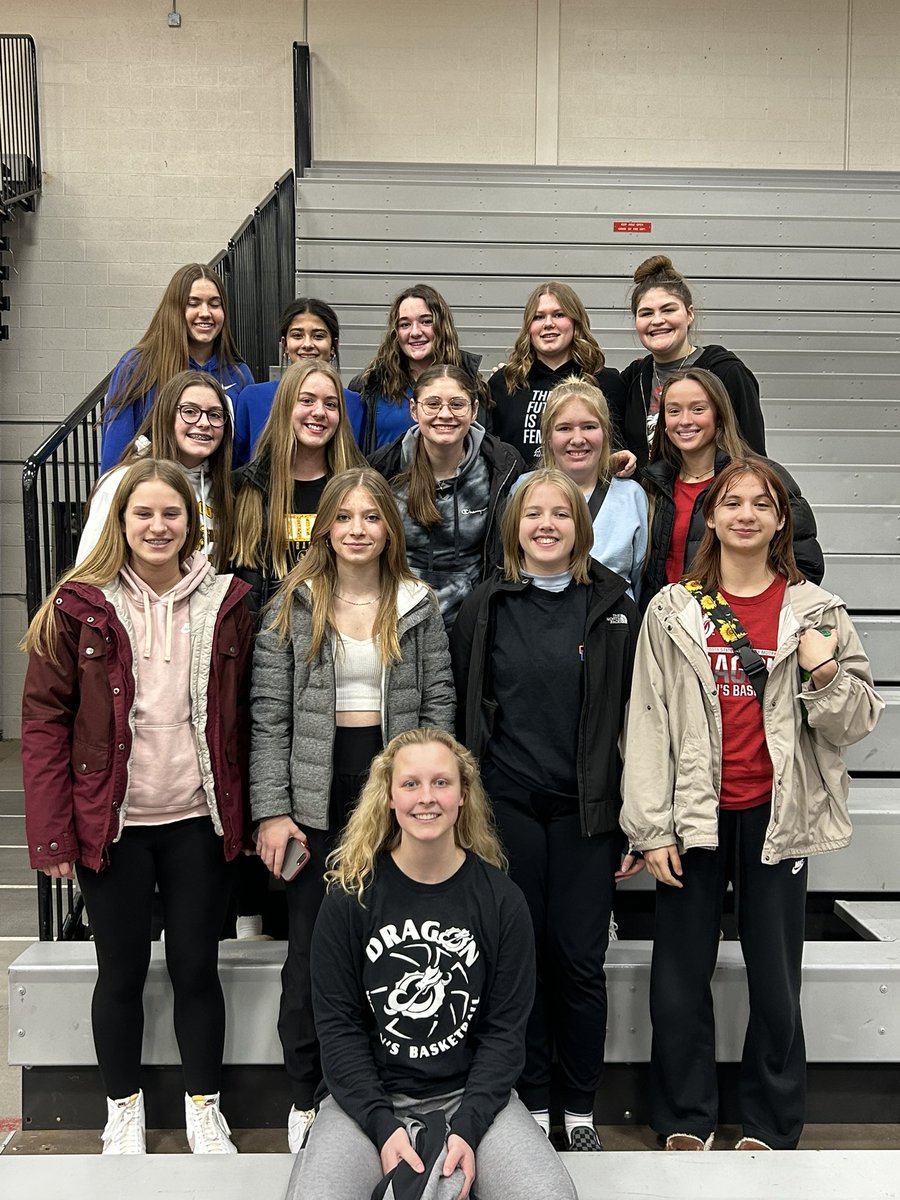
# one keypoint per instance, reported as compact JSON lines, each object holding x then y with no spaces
{"x":317,"y":570}
{"x":728,"y":436}
{"x":101,"y":566}
{"x":421,"y":504}
{"x":513,"y":556}
{"x":257,"y":543}
{"x":309,"y":305}
{"x":163,"y":350}
{"x":585,"y":349}
{"x":158,"y":427}
{"x":707,"y":562}
{"x":389,"y":369}
{"x":372,"y":828}
{"x":658,"y":272}
{"x":572,"y":389}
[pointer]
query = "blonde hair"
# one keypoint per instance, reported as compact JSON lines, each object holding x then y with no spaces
{"x":585,"y":348}
{"x":317,"y":569}
{"x":104,"y":562}
{"x":258,"y":544}
{"x":576,"y":388}
{"x":584,"y":534}
{"x":373,"y":829}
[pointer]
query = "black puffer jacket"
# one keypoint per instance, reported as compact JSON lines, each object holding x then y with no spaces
{"x":660,"y":477}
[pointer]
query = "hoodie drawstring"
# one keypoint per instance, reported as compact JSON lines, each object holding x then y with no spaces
{"x":170,"y":616}
{"x":148,"y":624}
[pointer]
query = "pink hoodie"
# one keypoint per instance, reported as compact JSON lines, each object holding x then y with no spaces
{"x":165,"y":783}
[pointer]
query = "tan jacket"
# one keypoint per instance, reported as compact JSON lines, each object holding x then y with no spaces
{"x":673,"y":749}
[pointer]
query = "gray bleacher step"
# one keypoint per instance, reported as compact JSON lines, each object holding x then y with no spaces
{"x":50,"y":986}
{"x":843,"y":527}
{"x":797,"y":1174}
{"x":881,"y":639}
{"x":817,"y":412}
{"x":866,"y":582}
{"x":835,"y":483}
{"x":877,"y":921}
{"x":851,"y":447}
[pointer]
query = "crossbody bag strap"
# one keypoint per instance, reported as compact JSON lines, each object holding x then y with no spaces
{"x":596,"y":498}
{"x":733,"y":634}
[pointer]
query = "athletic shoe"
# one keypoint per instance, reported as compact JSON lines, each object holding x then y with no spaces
{"x":250,"y":929}
{"x":207,"y":1129}
{"x":125,"y":1124}
{"x":299,"y":1122}
{"x":584,"y":1137}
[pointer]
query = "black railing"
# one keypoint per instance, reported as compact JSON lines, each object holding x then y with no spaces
{"x":20,"y":139}
{"x":302,"y":109}
{"x":257,"y":272}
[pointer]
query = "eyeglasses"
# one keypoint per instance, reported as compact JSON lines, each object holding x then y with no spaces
{"x":191,"y":415}
{"x":433,"y":407}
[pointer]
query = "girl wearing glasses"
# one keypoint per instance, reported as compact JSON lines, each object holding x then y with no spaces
{"x":189,"y":331}
{"x":306,"y":440}
{"x":451,"y":480}
{"x":190,"y":423}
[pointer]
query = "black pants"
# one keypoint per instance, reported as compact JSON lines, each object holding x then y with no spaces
{"x":354,"y":750}
{"x":185,"y":861}
{"x":569,"y":887}
{"x":770,"y":907}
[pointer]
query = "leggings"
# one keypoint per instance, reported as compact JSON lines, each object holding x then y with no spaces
{"x":354,"y":749}
{"x":185,"y":861}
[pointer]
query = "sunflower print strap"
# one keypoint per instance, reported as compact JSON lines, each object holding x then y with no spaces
{"x":719,"y":612}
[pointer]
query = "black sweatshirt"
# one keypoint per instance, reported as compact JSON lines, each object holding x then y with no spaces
{"x":424,"y":990}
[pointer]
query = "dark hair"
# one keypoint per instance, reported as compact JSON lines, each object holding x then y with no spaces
{"x":420,"y":504}
{"x":706,"y":563}
{"x":389,"y":369}
{"x":658,"y":272}
{"x":316,"y":308}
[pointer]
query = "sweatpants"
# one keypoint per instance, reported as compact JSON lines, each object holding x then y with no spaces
{"x":354,"y":750}
{"x":569,"y":886}
{"x":185,"y":861}
{"x":770,"y":907}
{"x":513,"y":1161}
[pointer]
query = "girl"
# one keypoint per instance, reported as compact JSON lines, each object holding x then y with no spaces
{"x":663,"y":311}
{"x":134,"y":762}
{"x":306,"y":439}
{"x":420,"y":332}
{"x":451,"y":481}
{"x":716,"y":793}
{"x":308,"y":330}
{"x":555,"y":342}
{"x":424,"y":975}
{"x":542,"y":657}
{"x":189,"y":330}
{"x":694,"y":441}
{"x":190,"y":423}
{"x":355,"y":653}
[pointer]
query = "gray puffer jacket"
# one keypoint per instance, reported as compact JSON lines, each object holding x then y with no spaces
{"x":293,"y":704}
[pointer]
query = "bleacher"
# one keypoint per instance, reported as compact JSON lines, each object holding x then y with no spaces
{"x":795,"y":272}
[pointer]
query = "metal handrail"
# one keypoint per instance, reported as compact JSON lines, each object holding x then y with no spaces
{"x":302,"y":108}
{"x":20,"y":137}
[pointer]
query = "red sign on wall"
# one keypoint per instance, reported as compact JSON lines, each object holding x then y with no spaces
{"x":632,"y":227}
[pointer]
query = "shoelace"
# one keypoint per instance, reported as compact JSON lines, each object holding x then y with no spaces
{"x":126,"y":1131}
{"x":212,"y":1130}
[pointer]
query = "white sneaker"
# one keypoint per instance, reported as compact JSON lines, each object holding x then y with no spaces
{"x":250,"y":929}
{"x":613,"y":928}
{"x":299,"y":1122}
{"x":125,"y":1124}
{"x":207,"y":1129}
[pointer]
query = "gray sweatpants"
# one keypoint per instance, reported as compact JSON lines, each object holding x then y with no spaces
{"x":514,"y":1161}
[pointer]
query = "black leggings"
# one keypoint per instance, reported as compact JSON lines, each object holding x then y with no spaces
{"x":185,"y":861}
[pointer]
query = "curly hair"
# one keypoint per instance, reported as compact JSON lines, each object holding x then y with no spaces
{"x":389,"y":371}
{"x":373,"y":829}
{"x":585,"y":350}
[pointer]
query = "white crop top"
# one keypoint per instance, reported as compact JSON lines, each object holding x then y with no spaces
{"x":357,"y":675}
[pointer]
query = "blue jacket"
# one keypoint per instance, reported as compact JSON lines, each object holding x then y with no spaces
{"x":119,"y":427}
{"x":251,"y":411}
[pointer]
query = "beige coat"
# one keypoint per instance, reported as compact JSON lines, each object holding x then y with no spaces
{"x":673,"y":749}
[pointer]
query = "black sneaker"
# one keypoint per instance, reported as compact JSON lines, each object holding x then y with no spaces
{"x":584,"y":1137}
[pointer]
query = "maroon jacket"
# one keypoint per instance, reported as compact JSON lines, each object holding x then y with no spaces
{"x":76,"y":736}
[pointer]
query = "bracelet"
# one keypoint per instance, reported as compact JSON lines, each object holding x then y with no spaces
{"x":823,"y":663}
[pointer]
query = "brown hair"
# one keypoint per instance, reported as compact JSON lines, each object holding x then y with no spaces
{"x":163,"y":350}
{"x":658,"y":272}
{"x":512,"y":517}
{"x":728,"y":436}
{"x":310,"y":306}
{"x":576,"y":388}
{"x":706,"y":563}
{"x":586,"y":351}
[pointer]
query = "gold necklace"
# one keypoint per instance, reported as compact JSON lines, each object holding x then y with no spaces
{"x":358,"y":603}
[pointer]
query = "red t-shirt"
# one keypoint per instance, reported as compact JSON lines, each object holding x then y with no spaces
{"x":685,"y":496}
{"x":746,"y":766}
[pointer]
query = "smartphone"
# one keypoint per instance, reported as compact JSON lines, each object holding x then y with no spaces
{"x":296,"y":856}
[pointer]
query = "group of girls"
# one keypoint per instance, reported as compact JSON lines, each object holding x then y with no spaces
{"x":412,"y":991}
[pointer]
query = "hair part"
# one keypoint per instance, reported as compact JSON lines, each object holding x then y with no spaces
{"x":111,"y":553}
{"x":585,"y":349}
{"x":706,"y":564}
{"x":577,"y":389}
{"x":373,"y":830}
{"x":513,"y":555}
